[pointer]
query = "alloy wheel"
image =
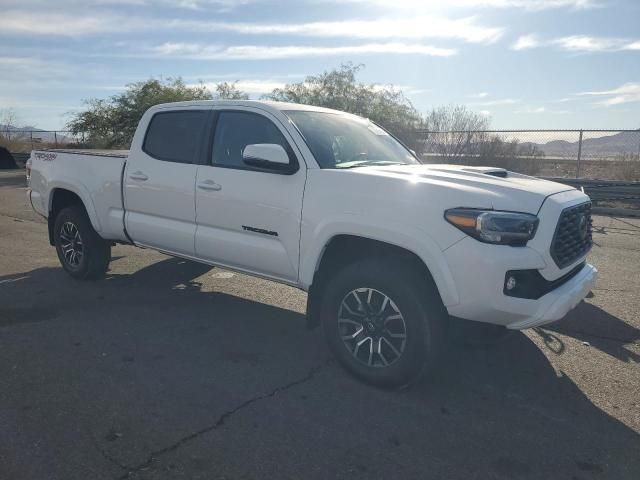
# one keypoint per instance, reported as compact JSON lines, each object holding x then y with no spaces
{"x":71,"y":244}
{"x":372,"y":327}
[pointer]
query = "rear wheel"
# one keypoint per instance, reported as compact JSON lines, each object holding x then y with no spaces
{"x":81,"y":251}
{"x":383,"y":321}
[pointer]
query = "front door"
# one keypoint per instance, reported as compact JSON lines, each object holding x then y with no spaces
{"x":159,"y":182}
{"x":249,"y":218}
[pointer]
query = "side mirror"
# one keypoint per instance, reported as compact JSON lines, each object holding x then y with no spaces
{"x":269,"y":156}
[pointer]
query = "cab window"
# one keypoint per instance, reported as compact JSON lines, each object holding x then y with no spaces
{"x":175,"y":136}
{"x":236,"y":130}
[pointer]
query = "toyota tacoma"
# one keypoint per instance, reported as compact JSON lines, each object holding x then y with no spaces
{"x":390,"y":250}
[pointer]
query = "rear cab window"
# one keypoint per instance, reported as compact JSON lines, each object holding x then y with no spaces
{"x":175,"y":136}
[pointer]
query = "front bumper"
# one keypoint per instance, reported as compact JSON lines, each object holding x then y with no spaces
{"x":479,"y":278}
{"x":478,"y":271}
{"x":560,"y":301}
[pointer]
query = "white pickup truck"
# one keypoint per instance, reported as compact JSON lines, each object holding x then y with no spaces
{"x":389,"y":249}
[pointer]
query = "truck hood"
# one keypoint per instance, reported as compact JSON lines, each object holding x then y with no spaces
{"x":476,"y":187}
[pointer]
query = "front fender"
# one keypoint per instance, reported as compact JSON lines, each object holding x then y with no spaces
{"x":412,"y":239}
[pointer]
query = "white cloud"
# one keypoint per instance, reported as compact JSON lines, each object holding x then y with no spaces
{"x":585,"y":43}
{"x":465,"y":29}
{"x":409,"y":90}
{"x":261,"y":52}
{"x":202,"y":4}
{"x":525,"y":42}
{"x":395,"y":4}
{"x":17,"y":61}
{"x":45,"y":23}
{"x":578,"y":43}
{"x":537,"y":110}
{"x":220,"y":5}
{"x":627,"y":93}
{"x":530,"y":109}
{"x":41,"y":23}
{"x":533,"y":5}
{"x":405,"y":89}
{"x":479,"y":95}
{"x":25,"y":69}
{"x":528,"y":4}
{"x":495,"y":103}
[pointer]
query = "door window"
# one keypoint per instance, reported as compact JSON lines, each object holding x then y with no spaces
{"x":175,"y":136}
{"x":236,"y":130}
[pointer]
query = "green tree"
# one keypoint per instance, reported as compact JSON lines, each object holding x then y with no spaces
{"x":111,"y":123}
{"x":339,"y":89}
{"x":229,"y":91}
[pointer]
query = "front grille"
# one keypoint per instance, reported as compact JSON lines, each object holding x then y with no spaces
{"x":572,"y":239}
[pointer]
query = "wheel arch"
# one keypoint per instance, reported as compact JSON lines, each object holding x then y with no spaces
{"x":344,"y":248}
{"x":64,"y":196}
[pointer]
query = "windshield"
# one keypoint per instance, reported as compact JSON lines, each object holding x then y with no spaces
{"x":346,"y":141}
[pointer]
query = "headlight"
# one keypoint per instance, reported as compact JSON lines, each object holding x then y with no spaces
{"x":491,"y":226}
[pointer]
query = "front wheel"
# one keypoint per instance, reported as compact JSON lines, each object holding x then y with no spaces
{"x":383,"y":321}
{"x":81,"y":251}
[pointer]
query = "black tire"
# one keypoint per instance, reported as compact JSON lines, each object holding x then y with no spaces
{"x":411,"y":295}
{"x":95,"y":252}
{"x":471,"y":334}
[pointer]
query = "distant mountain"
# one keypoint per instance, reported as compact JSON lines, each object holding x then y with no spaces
{"x":610,"y":145}
{"x":37,"y":134}
{"x":11,"y":128}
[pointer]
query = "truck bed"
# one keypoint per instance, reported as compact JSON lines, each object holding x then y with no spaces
{"x":93,"y":175}
{"x":91,"y":151}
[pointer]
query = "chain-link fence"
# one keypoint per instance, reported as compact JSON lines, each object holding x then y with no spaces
{"x":23,"y":141}
{"x":590,"y":154}
{"x":605,"y":163}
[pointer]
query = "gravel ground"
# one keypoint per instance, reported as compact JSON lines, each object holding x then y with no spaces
{"x":168,"y":369}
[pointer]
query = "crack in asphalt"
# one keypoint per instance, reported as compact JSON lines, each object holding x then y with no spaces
{"x":105,"y":455}
{"x":112,"y":459}
{"x":132,"y":470}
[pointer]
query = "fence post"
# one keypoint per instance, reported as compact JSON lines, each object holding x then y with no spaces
{"x":31,"y":137}
{"x":55,"y":139}
{"x":579,"y":155}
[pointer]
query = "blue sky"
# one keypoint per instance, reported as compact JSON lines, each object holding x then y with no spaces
{"x":526,"y":64}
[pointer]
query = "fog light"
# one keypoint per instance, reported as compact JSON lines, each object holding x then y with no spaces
{"x":511,"y":283}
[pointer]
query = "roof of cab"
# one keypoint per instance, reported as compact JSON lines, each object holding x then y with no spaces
{"x":265,"y":105}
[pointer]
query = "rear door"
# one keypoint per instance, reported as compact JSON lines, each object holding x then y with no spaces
{"x":249,"y":218}
{"x":159,"y":181}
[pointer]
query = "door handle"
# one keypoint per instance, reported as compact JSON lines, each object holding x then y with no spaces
{"x":209,"y":185}
{"x":138,"y":176}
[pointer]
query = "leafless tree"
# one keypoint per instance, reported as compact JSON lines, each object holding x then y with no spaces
{"x":454,"y":131}
{"x":8,"y":123}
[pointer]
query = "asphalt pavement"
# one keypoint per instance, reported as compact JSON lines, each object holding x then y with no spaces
{"x":167,"y":369}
